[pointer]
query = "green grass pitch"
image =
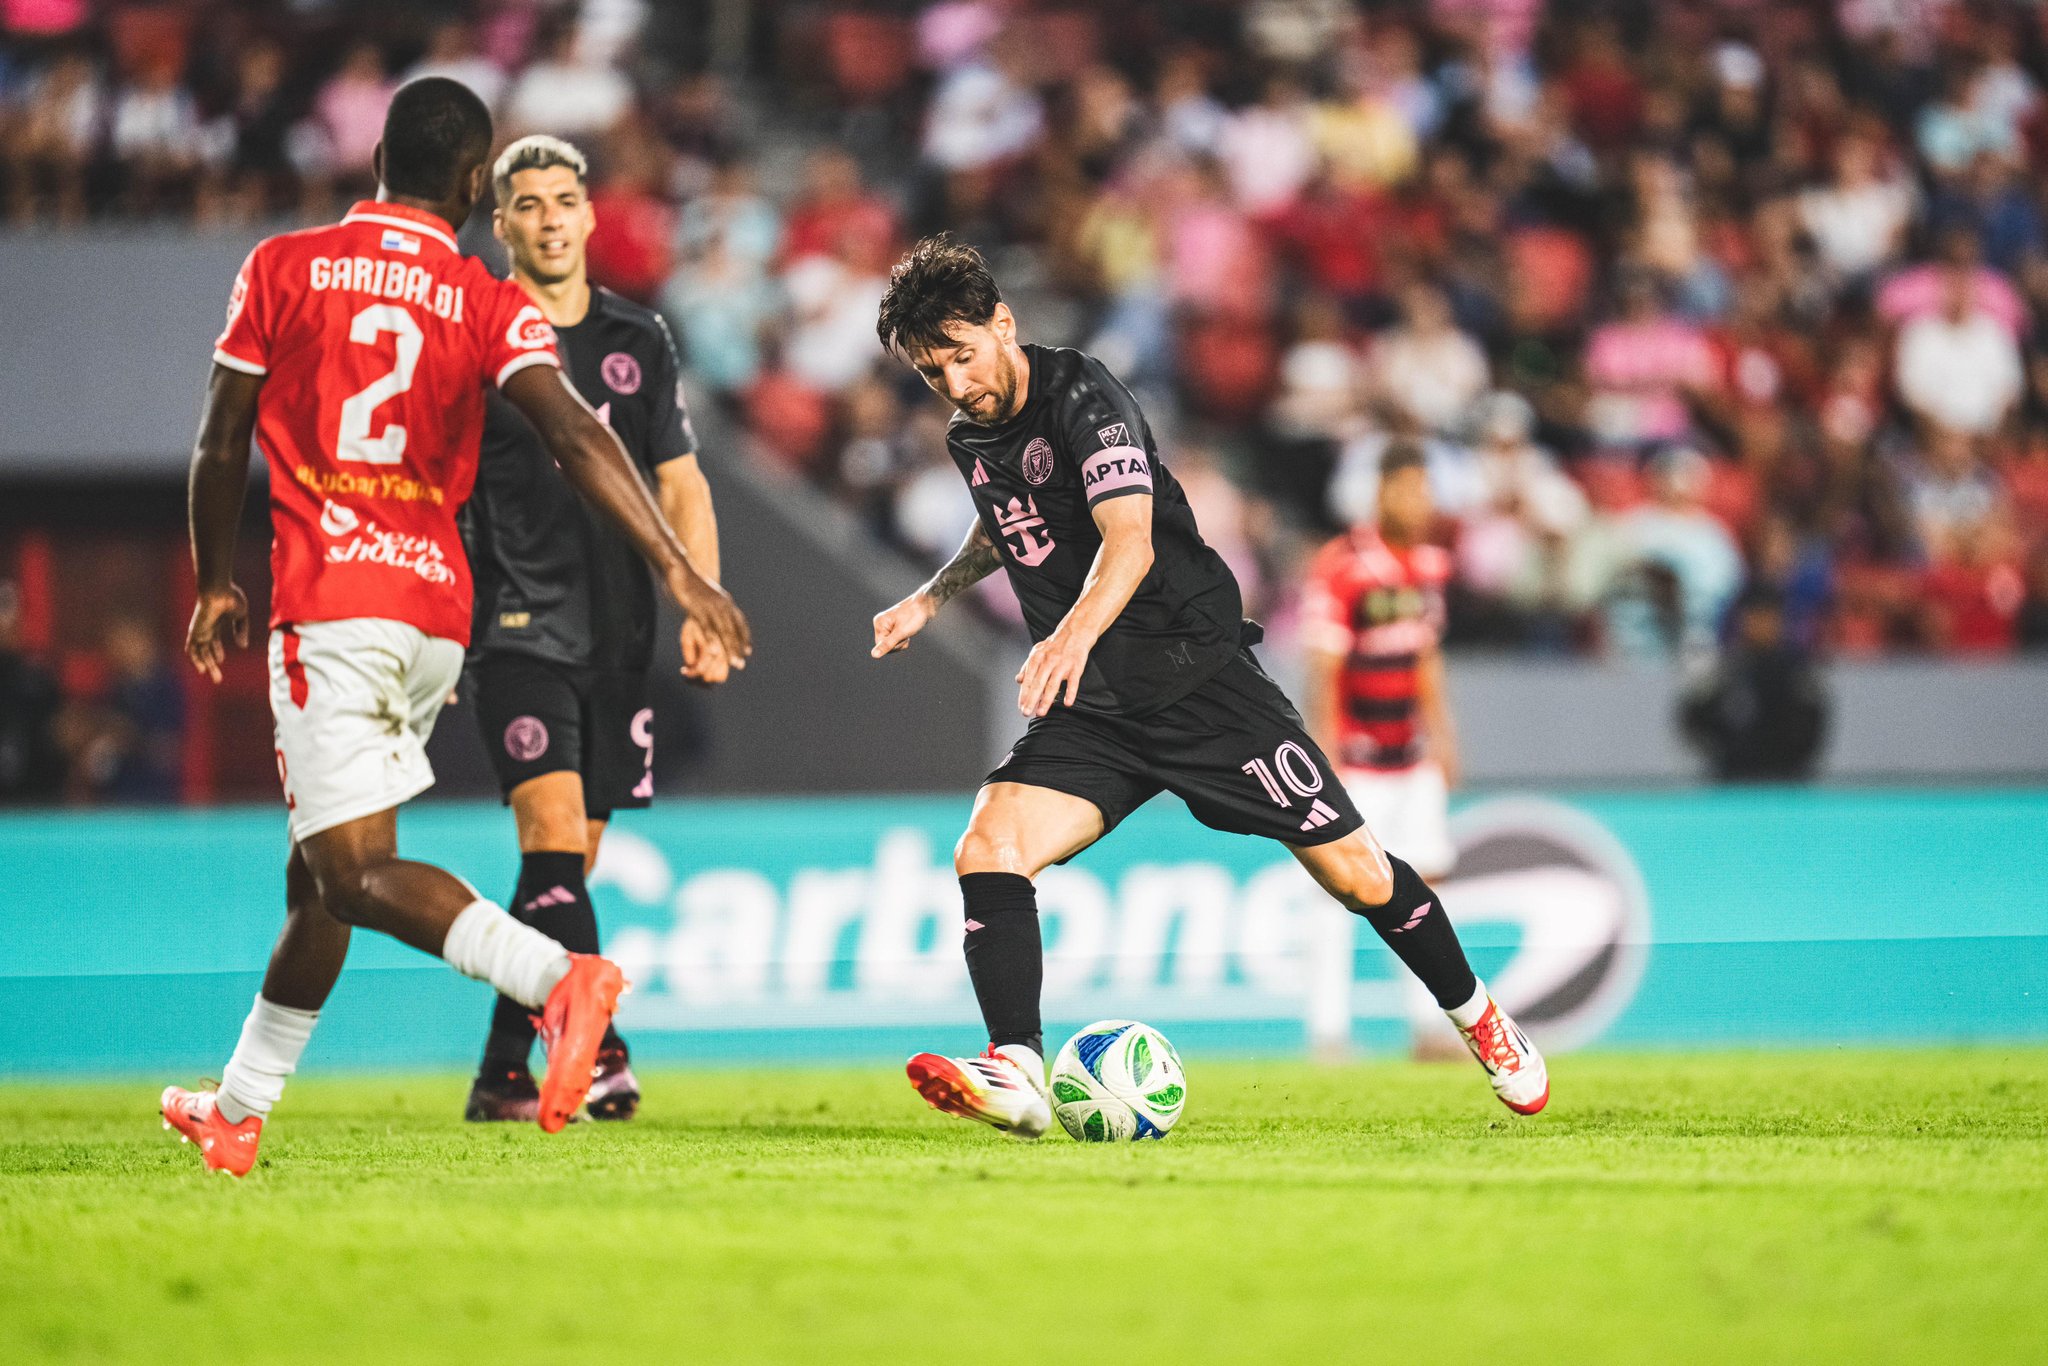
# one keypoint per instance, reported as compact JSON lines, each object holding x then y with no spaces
{"x":1840,"y":1207}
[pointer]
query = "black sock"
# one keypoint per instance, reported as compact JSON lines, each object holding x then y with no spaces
{"x":1004,"y":956}
{"x":1415,"y":927}
{"x":550,"y":897}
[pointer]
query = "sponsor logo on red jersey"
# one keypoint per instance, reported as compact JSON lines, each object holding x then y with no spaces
{"x":375,"y":340}
{"x":1381,"y":608}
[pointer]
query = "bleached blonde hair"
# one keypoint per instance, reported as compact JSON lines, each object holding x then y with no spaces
{"x":536,"y":152}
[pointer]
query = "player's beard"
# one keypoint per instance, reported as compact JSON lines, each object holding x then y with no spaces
{"x":1005,"y":397}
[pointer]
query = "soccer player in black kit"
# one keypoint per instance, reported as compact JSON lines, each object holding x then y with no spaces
{"x":564,"y":629}
{"x":1141,"y":680}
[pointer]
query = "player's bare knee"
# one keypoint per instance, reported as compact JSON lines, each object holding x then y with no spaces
{"x":556,"y":836}
{"x":340,"y":886}
{"x":985,"y":851}
{"x":1357,"y":873}
{"x":550,"y":816}
{"x":350,"y":898}
{"x":1373,"y":884}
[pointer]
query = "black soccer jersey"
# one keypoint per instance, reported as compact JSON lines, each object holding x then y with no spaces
{"x":1078,"y":440}
{"x":554,"y":579}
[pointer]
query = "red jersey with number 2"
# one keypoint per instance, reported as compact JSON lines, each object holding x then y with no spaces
{"x":375,"y":337}
{"x":1380,"y":607}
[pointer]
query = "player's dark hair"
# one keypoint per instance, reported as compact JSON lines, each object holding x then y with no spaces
{"x":1401,"y":455}
{"x":940,"y":282}
{"x":435,"y":130}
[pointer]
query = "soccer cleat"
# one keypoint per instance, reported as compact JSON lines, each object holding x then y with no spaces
{"x":571,"y":1027}
{"x":615,"y":1093}
{"x":1511,"y":1061}
{"x":224,"y":1147}
{"x":500,"y":1097}
{"x":995,"y":1088}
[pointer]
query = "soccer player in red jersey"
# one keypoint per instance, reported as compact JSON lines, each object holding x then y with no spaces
{"x":356,"y":356}
{"x":1376,"y":702}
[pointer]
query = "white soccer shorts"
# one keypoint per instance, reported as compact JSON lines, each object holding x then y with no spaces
{"x":1409,"y":811}
{"x":354,"y":702}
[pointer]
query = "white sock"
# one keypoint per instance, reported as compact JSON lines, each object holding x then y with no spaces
{"x":273,"y":1037}
{"x":1469,"y":1014}
{"x":520,"y":961}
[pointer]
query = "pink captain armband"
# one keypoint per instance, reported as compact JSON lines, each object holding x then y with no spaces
{"x":1118,"y":469}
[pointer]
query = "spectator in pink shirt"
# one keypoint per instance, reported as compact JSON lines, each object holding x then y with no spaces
{"x":1643,"y":368}
{"x":351,"y":106}
{"x":1919,"y":291}
{"x":1215,"y":260}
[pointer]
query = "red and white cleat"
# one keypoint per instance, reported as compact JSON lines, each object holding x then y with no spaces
{"x":224,"y":1147}
{"x":571,"y":1027}
{"x":999,"y":1088}
{"x":1511,"y":1061}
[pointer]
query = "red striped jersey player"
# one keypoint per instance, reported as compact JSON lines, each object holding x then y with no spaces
{"x":1376,"y":701}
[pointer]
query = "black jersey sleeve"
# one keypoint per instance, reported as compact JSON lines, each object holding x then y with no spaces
{"x":1105,"y":434}
{"x":670,"y":433}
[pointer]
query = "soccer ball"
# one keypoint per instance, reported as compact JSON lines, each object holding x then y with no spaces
{"x":1118,"y":1080}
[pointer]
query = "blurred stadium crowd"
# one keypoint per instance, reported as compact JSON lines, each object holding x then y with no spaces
{"x":1689,"y":303}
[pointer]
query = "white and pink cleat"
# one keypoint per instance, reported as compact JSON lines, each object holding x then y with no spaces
{"x":1004,"y":1088}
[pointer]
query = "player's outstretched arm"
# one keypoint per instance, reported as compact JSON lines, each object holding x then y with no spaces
{"x":974,"y":561}
{"x":1052,"y":672}
{"x":685,"y":497}
{"x":219,"y":480}
{"x":593,"y":460}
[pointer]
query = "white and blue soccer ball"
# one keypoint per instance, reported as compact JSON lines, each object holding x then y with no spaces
{"x":1118,"y":1080}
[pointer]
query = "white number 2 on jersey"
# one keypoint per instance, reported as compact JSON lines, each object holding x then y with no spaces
{"x":388,"y":446}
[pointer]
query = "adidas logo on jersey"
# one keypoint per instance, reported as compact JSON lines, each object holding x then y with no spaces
{"x":980,"y":476}
{"x":1319,"y":815}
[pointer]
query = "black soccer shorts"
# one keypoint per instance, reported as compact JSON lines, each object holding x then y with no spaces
{"x":539,"y":717}
{"x":1235,"y":750}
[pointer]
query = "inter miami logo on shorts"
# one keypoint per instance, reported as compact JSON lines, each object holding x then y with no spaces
{"x":526,"y":739}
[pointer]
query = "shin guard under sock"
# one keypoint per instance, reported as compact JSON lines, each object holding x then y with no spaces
{"x":1414,"y":926}
{"x":552,"y":898}
{"x":1004,"y":956}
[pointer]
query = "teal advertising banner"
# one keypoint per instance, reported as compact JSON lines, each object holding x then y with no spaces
{"x":809,"y":929}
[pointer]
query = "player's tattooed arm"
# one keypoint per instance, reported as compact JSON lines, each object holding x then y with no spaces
{"x":219,"y":480}
{"x":974,"y":561}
